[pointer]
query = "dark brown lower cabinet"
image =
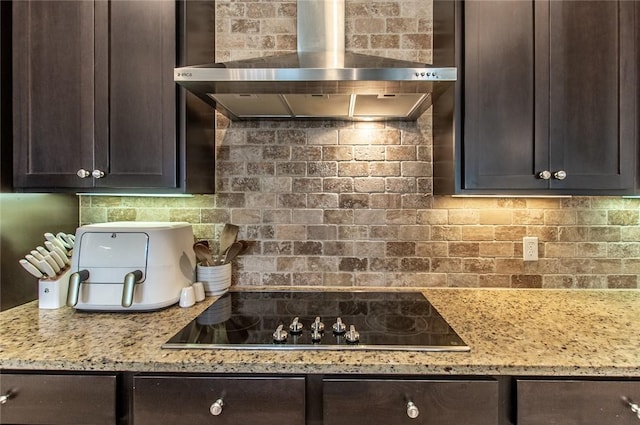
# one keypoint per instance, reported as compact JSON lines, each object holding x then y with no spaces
{"x":577,"y":402}
{"x":355,"y":401}
{"x":58,"y":399}
{"x":228,"y":400}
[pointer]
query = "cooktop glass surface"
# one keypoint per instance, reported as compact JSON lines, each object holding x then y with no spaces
{"x":372,"y":320}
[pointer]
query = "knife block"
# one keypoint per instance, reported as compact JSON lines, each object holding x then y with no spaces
{"x":52,"y":292}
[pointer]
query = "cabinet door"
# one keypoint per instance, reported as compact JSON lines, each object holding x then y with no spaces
{"x":53,"y":93}
{"x":245,"y":400}
{"x":58,"y":399}
{"x":550,"y":86}
{"x":386,"y":402}
{"x":499,"y":90}
{"x":548,"y":402}
{"x":136,"y":100}
{"x":591,"y":68}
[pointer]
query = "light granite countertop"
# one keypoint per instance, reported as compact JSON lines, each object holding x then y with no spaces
{"x":510,"y":332}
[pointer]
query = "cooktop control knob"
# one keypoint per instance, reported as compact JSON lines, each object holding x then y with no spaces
{"x":317,"y":325}
{"x":352,"y":336}
{"x":295,"y":327}
{"x":280,"y":335}
{"x":339,"y":327}
{"x":316,"y":336}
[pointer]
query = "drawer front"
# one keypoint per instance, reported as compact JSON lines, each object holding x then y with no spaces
{"x":58,"y":399}
{"x":246,"y":400}
{"x":386,"y":402}
{"x":573,"y":402}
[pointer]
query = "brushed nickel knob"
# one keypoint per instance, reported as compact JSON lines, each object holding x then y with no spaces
{"x":280,"y":335}
{"x":560,"y":175}
{"x":412,"y":410}
{"x":97,"y":174}
{"x":352,"y":336}
{"x":339,"y":327}
{"x":635,"y":407}
{"x":5,"y":397}
{"x":316,"y":336}
{"x":544,"y":175}
{"x":317,"y":325}
{"x":295,"y":327}
{"x":216,"y":407}
{"x":82,"y":173}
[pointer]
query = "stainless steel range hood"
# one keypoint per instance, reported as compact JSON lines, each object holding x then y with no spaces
{"x":320,"y":80}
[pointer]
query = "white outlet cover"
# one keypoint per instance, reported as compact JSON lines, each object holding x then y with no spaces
{"x":530,"y":248}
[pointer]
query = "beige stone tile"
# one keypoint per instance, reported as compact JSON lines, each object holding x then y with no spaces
{"x":559,"y":217}
{"x":414,"y":233}
{"x":496,"y":249}
{"x":624,"y":218}
{"x":463,"y":280}
{"x":494,"y":281}
{"x":526,"y":281}
{"x":508,"y":266}
{"x":478,"y":233}
{"x":478,"y":265}
{"x":291,"y":232}
{"x":496,"y":216}
{"x":592,"y":249}
{"x":560,"y":249}
{"x":431,"y":249}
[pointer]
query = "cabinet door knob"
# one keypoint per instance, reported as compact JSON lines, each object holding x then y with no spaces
{"x":635,"y":408}
{"x":97,"y":174}
{"x":216,"y":407}
{"x":412,"y":410}
{"x":560,"y":175}
{"x":5,"y":397}
{"x":82,"y":173}
{"x":544,"y":175}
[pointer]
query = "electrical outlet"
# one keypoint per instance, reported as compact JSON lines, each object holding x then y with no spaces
{"x":530,"y":248}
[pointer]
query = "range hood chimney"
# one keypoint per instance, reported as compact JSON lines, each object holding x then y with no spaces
{"x":320,"y":80}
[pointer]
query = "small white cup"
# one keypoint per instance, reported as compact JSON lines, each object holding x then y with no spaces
{"x":187,"y":297}
{"x":198,"y":289}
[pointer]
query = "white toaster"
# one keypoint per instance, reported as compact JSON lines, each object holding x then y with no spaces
{"x":130,"y":266}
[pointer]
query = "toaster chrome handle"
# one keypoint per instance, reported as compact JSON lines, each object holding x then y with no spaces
{"x":74,"y":286}
{"x":130,"y":280}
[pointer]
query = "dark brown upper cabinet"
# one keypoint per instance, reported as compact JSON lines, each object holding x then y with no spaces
{"x":546,"y":100}
{"x":95,"y":104}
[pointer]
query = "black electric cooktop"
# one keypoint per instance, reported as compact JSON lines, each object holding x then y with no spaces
{"x":297,"y":320}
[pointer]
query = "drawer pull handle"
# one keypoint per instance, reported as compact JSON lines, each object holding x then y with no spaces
{"x":635,"y":408}
{"x":5,"y":397}
{"x":412,"y":410}
{"x":216,"y":407}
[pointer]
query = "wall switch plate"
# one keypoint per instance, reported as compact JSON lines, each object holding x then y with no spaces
{"x":530,"y":248}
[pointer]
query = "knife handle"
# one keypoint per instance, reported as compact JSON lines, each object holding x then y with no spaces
{"x":31,"y":268}
{"x":54,"y":265}
{"x":59,"y":261}
{"x":47,"y":269}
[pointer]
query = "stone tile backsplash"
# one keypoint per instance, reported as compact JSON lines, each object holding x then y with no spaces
{"x":351,"y":204}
